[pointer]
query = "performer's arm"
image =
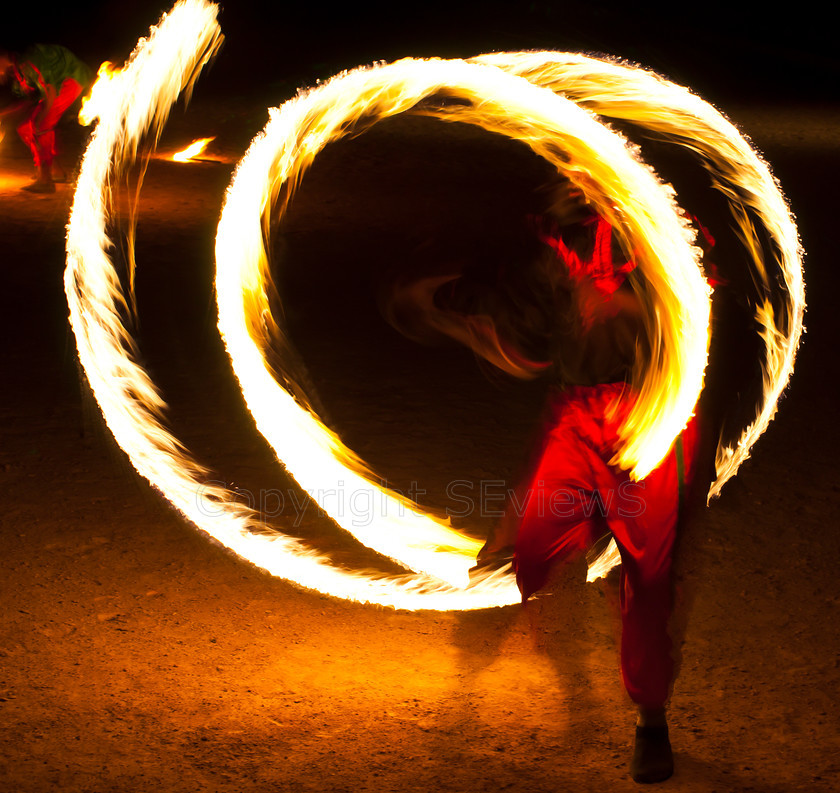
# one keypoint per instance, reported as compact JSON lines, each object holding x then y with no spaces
{"x":413,"y":311}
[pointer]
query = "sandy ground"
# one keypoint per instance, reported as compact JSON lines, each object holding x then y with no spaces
{"x":137,"y":656}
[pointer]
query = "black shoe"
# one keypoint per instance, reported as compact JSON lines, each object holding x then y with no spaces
{"x":652,"y":758}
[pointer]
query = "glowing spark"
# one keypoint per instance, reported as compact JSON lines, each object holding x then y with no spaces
{"x":101,"y":94}
{"x":598,"y":161}
{"x":193,"y":150}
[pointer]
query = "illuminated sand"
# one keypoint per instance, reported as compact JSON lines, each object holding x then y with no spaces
{"x":134,"y":655}
{"x":148,"y":659}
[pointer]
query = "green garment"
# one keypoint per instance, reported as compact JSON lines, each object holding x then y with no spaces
{"x":48,"y":64}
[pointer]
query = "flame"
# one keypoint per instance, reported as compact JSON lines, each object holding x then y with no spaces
{"x":554,"y":127}
{"x":614,"y":90}
{"x":193,"y":150}
{"x":161,"y":66}
{"x":597,"y":160}
{"x":104,"y":89}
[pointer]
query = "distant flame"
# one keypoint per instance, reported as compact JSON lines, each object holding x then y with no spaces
{"x":103,"y":90}
{"x":193,"y":150}
{"x":625,"y":191}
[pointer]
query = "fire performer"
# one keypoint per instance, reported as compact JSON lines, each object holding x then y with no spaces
{"x":47,"y":79}
{"x":574,"y":308}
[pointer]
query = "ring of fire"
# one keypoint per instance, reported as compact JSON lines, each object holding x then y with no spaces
{"x":599,"y":161}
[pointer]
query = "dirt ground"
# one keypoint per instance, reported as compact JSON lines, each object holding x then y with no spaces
{"x":135,"y":655}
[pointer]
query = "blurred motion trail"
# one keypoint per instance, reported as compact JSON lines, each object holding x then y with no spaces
{"x":135,"y":655}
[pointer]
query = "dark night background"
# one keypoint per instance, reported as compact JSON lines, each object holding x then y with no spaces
{"x":137,"y":656}
{"x":731,"y":51}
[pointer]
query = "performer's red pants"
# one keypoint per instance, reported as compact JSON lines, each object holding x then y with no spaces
{"x":575,"y":496}
{"x":38,"y":131}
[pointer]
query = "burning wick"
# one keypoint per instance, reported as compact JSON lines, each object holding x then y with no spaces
{"x":193,"y":150}
{"x":101,"y":93}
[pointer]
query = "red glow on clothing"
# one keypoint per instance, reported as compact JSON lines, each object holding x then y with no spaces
{"x":38,"y":131}
{"x":575,"y":496}
{"x":599,"y":268}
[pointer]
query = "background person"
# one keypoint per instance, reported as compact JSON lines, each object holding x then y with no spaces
{"x":47,"y":80}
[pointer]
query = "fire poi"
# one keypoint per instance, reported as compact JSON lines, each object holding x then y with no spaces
{"x":97,"y":100}
{"x":554,"y":103}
